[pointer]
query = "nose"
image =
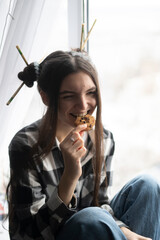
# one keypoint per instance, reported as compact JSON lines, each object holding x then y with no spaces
{"x":82,"y":103}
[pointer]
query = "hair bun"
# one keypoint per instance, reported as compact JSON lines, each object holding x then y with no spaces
{"x":28,"y":75}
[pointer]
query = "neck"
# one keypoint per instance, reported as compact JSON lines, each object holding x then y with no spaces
{"x":61,"y":133}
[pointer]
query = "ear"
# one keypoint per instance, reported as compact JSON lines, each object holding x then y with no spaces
{"x":44,"y":97}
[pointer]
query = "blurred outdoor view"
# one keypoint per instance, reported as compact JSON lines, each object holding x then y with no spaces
{"x":125,"y":46}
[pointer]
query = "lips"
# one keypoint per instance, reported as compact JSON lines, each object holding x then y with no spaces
{"x":79,"y":114}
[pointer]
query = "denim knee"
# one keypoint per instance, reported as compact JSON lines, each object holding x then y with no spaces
{"x":91,"y":223}
{"x":141,"y":191}
{"x":148,"y":185}
{"x":90,"y":217}
{"x":137,"y":204}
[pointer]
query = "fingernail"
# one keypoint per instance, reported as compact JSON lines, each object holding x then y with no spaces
{"x":81,"y":133}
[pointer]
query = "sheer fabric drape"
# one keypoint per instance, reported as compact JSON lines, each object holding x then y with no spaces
{"x":38,"y":27}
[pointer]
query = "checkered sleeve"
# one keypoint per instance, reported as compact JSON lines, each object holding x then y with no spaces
{"x":34,"y":215}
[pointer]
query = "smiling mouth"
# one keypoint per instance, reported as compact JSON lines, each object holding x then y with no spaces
{"x":79,"y":115}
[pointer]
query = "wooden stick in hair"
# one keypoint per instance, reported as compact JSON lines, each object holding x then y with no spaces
{"x":82,"y":36}
{"x":88,"y":35}
{"x":13,"y":96}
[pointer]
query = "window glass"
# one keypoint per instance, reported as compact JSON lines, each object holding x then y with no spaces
{"x":124,"y":45}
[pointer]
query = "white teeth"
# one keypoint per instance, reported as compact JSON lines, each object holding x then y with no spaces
{"x":81,"y":115}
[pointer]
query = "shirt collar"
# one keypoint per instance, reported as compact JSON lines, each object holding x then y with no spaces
{"x":56,"y":144}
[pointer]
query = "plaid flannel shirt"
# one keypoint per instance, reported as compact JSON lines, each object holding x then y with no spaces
{"x":38,"y":211}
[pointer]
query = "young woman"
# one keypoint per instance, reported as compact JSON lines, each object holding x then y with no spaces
{"x":60,"y":174}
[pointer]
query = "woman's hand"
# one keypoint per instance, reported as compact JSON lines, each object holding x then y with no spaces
{"x":73,"y":150}
{"x":133,"y":236}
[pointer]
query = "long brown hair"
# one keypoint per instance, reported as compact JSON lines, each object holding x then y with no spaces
{"x":53,"y":70}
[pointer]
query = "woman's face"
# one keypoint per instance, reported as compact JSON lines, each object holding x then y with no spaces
{"x":77,"y":98}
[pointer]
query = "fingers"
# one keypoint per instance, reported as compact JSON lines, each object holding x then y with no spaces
{"x":75,"y":134}
{"x":74,"y":141}
{"x":79,"y":129}
{"x":78,"y":143}
{"x":81,"y":151}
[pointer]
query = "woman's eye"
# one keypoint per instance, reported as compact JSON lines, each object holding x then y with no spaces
{"x":92,"y":93}
{"x":68,"y":97}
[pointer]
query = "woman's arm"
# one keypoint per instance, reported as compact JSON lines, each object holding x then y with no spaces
{"x":35,"y":214}
{"x":72,"y":151}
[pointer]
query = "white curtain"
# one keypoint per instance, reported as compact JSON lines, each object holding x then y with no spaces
{"x":38,"y":27}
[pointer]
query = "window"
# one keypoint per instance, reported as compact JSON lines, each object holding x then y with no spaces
{"x":125,"y":48}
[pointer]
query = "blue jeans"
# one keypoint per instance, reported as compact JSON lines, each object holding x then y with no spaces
{"x":137,"y":205}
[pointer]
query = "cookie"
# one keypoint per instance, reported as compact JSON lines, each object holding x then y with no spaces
{"x":88,"y":119}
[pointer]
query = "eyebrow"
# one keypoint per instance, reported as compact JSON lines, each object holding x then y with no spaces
{"x":72,"y":92}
